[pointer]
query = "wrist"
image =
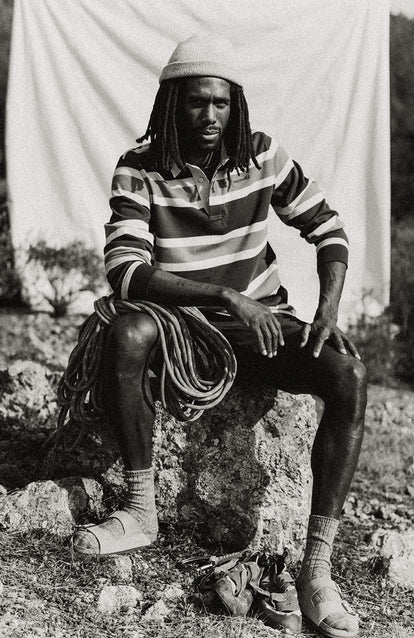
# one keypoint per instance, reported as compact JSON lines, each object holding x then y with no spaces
{"x":227,"y":296}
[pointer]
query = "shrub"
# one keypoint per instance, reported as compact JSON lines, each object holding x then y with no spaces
{"x":69,"y":271}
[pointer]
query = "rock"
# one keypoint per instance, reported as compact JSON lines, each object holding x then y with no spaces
{"x":28,"y":396}
{"x":156,"y":612}
{"x":173,"y":593}
{"x":55,"y":505}
{"x":114,"y":598}
{"x":398,"y":548}
{"x":240,"y":475}
{"x":119,"y":568}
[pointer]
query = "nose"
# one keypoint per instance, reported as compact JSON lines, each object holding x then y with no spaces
{"x":209,"y":114}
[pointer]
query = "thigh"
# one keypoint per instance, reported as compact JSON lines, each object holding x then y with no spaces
{"x":294,"y":369}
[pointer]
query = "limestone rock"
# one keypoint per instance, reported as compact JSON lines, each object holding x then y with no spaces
{"x":114,"y":598}
{"x":173,"y":593}
{"x":52,"y":505}
{"x":240,"y":475}
{"x":28,"y":397}
{"x":119,"y":568}
{"x":398,"y":548}
{"x":157,"y":612}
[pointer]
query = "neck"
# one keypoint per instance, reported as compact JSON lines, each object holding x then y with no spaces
{"x":206,"y":159}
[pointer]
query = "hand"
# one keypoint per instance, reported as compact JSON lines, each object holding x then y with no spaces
{"x":323,"y":328}
{"x":259,"y":319}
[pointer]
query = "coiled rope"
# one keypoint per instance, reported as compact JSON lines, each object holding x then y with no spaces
{"x":198,"y":367}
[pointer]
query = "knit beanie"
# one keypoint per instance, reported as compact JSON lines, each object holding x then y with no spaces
{"x":207,"y":54}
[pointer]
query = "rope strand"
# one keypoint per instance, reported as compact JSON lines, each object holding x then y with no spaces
{"x":198,"y":368}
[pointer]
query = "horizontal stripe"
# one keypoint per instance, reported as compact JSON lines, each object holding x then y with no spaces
{"x":333,"y":223}
{"x":126,"y":223}
{"x":201,"y":252}
{"x":206,"y":240}
{"x":120,"y":192}
{"x":136,"y":255}
{"x":330,"y":242}
{"x":212,"y":262}
{"x":128,"y":171}
{"x":280,"y":177}
{"x":242,"y":193}
{"x":140,"y":234}
{"x":176,"y":202}
{"x":127,"y":278}
{"x":258,"y":281}
{"x":307,"y":205}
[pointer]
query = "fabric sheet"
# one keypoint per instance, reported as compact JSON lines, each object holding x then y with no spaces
{"x":83,"y":76}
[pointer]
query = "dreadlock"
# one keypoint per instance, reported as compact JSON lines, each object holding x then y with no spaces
{"x":163,"y":134}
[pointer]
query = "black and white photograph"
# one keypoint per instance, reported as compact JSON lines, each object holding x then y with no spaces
{"x":206,"y":318}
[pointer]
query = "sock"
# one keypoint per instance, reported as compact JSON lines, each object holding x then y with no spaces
{"x":139,"y":502}
{"x":140,"y":497}
{"x":317,"y":559}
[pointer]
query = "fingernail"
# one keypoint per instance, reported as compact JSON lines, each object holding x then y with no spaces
{"x":264,"y":352}
{"x":343,"y":351}
{"x":357,"y":356}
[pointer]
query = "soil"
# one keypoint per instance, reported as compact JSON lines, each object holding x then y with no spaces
{"x":49,"y":592}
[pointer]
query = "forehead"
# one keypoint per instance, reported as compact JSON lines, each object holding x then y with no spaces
{"x":207,"y":86}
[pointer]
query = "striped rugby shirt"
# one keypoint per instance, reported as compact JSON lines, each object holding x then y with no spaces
{"x":212,"y":231}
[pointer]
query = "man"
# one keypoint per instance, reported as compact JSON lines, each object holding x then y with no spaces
{"x":189,"y":227}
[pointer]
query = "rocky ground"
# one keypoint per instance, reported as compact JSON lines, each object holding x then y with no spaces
{"x":45,"y":591}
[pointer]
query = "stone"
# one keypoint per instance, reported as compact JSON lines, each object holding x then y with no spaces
{"x":173,"y":593}
{"x":119,"y":568}
{"x":398,"y":549}
{"x":239,"y":476}
{"x":52,"y":505}
{"x":156,"y":612}
{"x":114,"y":598}
{"x":28,"y":396}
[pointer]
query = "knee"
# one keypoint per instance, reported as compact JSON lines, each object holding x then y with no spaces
{"x":132,"y":335}
{"x":350,"y":383}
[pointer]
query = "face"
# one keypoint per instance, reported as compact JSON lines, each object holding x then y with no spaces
{"x":204,"y":113}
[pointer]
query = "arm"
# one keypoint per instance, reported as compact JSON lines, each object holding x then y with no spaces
{"x":331,"y":279}
{"x":164,"y":287}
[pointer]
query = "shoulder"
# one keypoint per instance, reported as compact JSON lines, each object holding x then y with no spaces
{"x":261,"y":141}
{"x":137,"y":158}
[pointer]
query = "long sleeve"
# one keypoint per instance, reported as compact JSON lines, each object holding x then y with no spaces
{"x":129,"y":242}
{"x":298,"y":202}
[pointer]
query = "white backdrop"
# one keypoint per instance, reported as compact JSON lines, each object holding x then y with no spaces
{"x":84,"y":73}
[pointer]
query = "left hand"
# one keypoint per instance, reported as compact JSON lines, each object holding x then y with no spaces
{"x":324,"y":328}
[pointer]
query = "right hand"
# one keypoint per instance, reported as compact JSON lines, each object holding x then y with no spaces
{"x":259,"y":319}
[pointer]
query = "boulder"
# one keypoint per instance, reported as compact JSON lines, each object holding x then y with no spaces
{"x":51,"y":505}
{"x":398,"y":549}
{"x":28,"y":398}
{"x":240,"y":475}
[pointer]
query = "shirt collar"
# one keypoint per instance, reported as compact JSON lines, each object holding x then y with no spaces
{"x":176,"y":170}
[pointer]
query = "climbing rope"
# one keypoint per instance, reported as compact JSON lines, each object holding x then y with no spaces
{"x":198,"y":367}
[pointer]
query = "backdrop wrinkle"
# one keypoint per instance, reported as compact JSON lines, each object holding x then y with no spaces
{"x":82,"y":81}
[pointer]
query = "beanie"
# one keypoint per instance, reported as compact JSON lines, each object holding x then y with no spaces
{"x":208,"y":54}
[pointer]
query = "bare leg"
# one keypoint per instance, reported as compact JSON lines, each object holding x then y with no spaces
{"x":131,"y":342}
